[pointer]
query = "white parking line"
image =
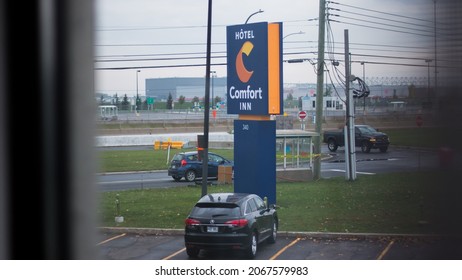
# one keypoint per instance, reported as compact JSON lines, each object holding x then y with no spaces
{"x":358,"y":172}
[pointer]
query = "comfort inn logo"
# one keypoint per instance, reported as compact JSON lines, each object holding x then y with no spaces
{"x":248,"y":67}
{"x":242,"y":72}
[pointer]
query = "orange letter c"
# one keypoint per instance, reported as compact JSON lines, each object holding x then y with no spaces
{"x":243,"y":74}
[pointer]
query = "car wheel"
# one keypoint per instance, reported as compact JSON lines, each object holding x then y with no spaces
{"x":274,"y":233}
{"x":176,"y":178}
{"x":251,"y":250}
{"x":365,"y":147}
{"x":331,"y":145}
{"x":384,"y":149}
{"x":190,"y":175}
{"x":192,"y":252}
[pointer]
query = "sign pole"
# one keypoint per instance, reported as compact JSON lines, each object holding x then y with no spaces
{"x":205,"y":160}
{"x":302,"y":118}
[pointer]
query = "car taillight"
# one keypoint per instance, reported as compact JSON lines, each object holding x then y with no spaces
{"x":183,"y":162}
{"x":191,"y":222}
{"x":238,"y":223}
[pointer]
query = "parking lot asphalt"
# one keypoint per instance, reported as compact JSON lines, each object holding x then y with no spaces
{"x":168,"y":244}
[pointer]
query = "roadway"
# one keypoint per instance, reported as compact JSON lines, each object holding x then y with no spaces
{"x":397,"y":159}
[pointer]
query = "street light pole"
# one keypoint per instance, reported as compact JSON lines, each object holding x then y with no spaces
{"x":296,"y":33}
{"x":259,"y":11}
{"x":364,"y":80}
{"x":428,"y":78}
{"x":136,"y":100}
{"x":137,"y":71}
{"x":213,"y":73}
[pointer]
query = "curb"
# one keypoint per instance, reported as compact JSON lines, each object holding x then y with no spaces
{"x":300,"y":234}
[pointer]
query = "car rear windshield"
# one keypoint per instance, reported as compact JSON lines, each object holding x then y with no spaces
{"x":177,"y":157}
{"x":210,"y":210}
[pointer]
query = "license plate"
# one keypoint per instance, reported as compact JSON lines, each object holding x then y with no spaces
{"x":212,"y":229}
{"x":173,"y":166}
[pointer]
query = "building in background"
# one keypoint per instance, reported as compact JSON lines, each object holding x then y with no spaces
{"x":160,"y":88}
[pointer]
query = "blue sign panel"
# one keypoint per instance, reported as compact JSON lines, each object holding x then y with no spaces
{"x":247,"y":51}
{"x":255,"y":158}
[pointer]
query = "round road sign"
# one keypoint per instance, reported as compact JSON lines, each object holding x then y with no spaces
{"x":302,"y":115}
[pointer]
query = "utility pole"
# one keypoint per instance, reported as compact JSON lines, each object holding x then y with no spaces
{"x":319,"y":88}
{"x":350,"y":154}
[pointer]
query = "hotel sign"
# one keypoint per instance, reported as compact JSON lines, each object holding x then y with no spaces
{"x":254,"y":85}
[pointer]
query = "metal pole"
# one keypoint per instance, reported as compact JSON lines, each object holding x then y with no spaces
{"x":319,"y":88}
{"x":213,"y":97}
{"x":364,"y":79}
{"x":259,"y":11}
{"x":205,"y":159}
{"x":436,"y":71}
{"x":137,"y":71}
{"x":136,"y":100}
{"x":428,"y":78}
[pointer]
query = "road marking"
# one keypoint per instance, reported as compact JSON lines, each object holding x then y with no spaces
{"x":385,"y":251}
{"x":110,"y":239}
{"x":284,"y":249}
{"x":174,"y":254}
{"x":341,"y":170}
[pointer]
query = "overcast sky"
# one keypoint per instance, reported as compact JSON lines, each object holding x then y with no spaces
{"x":157,"y":36}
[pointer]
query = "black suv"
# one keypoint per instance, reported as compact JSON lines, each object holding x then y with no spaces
{"x":237,"y":221}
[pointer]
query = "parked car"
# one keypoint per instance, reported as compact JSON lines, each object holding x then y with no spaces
{"x":236,"y":221}
{"x":189,"y":166}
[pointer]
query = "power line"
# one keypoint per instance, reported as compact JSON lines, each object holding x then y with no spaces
{"x":157,"y":66}
{"x":383,"y":24}
{"x":382,"y":18}
{"x":380,"y":28}
{"x":381,"y":12}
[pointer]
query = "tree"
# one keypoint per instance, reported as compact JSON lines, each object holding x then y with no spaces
{"x":217,"y":100}
{"x":181,"y":100}
{"x":290,"y":97}
{"x":116,"y":100}
{"x":125,"y":102}
{"x":170,"y":101}
{"x":138,"y":102}
{"x":328,"y":91}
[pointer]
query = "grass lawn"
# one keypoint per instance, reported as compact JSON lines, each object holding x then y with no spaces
{"x":387,"y":203}
{"x":397,"y":203}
